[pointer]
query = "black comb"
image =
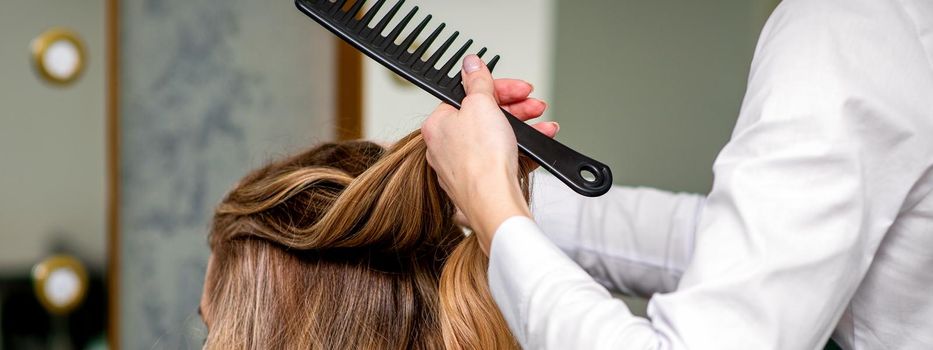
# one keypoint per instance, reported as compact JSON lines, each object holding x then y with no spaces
{"x":583,"y":174}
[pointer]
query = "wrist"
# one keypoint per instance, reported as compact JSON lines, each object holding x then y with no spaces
{"x":492,"y":203}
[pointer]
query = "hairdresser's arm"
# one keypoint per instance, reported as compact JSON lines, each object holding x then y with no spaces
{"x":632,"y":240}
{"x":825,"y":150}
{"x":636,"y":241}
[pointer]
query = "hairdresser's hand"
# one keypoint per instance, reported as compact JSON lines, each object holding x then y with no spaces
{"x":513,"y":96}
{"x":475,"y":154}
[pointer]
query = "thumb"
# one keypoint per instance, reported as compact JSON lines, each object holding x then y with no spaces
{"x":476,"y":77}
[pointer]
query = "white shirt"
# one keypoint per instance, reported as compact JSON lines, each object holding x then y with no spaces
{"x":819,"y":222}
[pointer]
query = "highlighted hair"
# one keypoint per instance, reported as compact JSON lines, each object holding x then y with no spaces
{"x":348,"y":246}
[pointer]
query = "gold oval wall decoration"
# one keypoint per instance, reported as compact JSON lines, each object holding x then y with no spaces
{"x":58,"y":56}
{"x":60,"y":283}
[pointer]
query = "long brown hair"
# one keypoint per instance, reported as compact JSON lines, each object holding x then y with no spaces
{"x":348,"y":246}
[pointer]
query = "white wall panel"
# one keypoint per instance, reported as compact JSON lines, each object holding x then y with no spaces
{"x":521,"y":31}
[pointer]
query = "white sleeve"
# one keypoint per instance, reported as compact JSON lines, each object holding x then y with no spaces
{"x":551,"y":303}
{"x":636,"y":241}
{"x":833,"y":134}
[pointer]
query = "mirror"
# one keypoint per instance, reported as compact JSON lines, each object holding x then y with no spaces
{"x":53,"y":231}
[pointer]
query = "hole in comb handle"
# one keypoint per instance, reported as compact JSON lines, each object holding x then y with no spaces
{"x":588,"y":175}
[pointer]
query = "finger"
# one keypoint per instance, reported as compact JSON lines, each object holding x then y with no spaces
{"x":510,"y":91}
{"x":527,"y":109}
{"x":549,"y":129}
{"x":476,"y":77}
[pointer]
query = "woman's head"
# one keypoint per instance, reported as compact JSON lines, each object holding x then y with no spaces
{"x":347,"y":245}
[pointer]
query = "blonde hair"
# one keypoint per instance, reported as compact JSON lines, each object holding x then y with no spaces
{"x":348,"y":246}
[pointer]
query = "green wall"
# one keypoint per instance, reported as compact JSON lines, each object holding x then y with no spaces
{"x":653,"y":88}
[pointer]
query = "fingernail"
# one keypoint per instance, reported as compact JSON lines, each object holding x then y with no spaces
{"x":472,"y":63}
{"x":556,"y":127}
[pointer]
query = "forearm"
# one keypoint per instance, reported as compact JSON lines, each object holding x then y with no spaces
{"x":631,"y":240}
{"x":550,"y":303}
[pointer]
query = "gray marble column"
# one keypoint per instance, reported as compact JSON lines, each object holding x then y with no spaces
{"x":209,"y":89}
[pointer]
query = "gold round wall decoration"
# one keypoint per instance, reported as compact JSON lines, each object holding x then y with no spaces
{"x":60,"y":283}
{"x":58,"y":56}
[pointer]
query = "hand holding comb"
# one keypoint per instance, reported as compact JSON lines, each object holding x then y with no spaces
{"x":581,"y":173}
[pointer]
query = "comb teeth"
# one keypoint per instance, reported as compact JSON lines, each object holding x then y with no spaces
{"x":400,"y":26}
{"x":414,"y":34}
{"x":370,"y":14}
{"x":459,"y":77}
{"x":354,"y":10}
{"x":492,"y":63}
{"x":377,"y":31}
{"x":336,"y":6}
{"x":453,"y":59}
{"x":353,"y":25}
{"x":427,"y":43}
{"x":441,"y":50}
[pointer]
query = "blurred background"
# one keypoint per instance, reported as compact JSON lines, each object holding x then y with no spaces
{"x":123,"y":122}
